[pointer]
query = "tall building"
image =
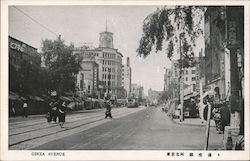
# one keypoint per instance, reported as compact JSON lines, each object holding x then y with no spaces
{"x":224,"y":52}
{"x":109,"y":61}
{"x":126,"y":77}
{"x":224,"y":57}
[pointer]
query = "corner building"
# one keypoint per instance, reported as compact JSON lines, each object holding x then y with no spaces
{"x":109,"y":61}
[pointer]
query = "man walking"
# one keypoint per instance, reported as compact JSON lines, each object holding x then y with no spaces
{"x":108,"y":110}
{"x":25,"y":109}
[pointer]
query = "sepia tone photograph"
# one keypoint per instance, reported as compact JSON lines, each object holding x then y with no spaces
{"x":126,"y":77}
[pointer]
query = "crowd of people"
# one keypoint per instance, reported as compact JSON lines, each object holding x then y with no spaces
{"x":57,"y":112}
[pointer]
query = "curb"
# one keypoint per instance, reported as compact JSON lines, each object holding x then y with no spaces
{"x":189,"y":124}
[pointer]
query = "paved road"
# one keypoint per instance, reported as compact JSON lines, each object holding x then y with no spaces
{"x":27,"y":133}
{"x":146,"y":129}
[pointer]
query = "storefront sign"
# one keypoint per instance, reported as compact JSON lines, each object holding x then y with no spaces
{"x":16,"y":46}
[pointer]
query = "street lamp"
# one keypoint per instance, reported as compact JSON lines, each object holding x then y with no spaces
{"x":109,"y":77}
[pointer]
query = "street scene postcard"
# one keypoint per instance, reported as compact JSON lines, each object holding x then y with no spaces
{"x":124,"y":80}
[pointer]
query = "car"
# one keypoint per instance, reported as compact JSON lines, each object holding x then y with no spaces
{"x":132,"y":104}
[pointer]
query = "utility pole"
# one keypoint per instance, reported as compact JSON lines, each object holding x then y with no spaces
{"x":200,"y":83}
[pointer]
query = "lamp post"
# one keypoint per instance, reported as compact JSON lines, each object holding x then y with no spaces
{"x":109,"y":77}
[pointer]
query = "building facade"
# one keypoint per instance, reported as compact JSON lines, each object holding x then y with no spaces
{"x":87,"y":79}
{"x":109,"y":61}
{"x":224,"y":46}
{"x":224,"y":57}
{"x":126,"y":77}
{"x":20,"y":51}
{"x":23,"y":59}
{"x":190,"y":79}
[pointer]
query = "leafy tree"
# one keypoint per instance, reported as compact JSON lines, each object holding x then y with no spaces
{"x":61,"y":64}
{"x":172,"y":25}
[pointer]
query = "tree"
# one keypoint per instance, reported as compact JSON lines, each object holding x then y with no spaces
{"x":61,"y":64}
{"x":172,"y":25}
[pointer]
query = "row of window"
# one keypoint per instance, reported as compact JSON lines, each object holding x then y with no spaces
{"x":90,"y":54}
{"x":193,"y":71}
{"x":112,"y":83}
{"x":108,"y":62}
{"x":106,"y":69}
{"x":193,"y":78}
{"x":108,"y":55}
{"x":186,"y":72}
{"x":105,"y":76}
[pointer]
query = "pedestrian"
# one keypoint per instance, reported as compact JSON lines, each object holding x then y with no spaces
{"x":54,"y":112}
{"x":201,"y":110}
{"x":25,"y":109}
{"x":62,"y":114}
{"x":217,"y":118}
{"x":49,"y":113}
{"x":225,"y":116}
{"x":108,"y":110}
{"x":13,"y":111}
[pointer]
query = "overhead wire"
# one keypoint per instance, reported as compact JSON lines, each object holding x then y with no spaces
{"x":34,"y":20}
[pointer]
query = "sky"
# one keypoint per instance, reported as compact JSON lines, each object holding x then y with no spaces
{"x":79,"y":24}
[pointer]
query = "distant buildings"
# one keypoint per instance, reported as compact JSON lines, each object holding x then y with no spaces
{"x":126,"y":77}
{"x":137,"y":91}
{"x":109,"y":62}
{"x":153,"y":96}
{"x":191,"y":77}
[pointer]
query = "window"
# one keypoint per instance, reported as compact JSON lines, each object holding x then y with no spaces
{"x":193,"y":71}
{"x":186,"y":78}
{"x":193,"y":78}
{"x":186,"y":71}
{"x":104,"y":76}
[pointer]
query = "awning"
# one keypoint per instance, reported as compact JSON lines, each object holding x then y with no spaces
{"x":22,"y":98}
{"x":36,"y":98}
{"x":66,"y":98}
{"x":209,"y":93}
{"x":13,"y":96}
{"x":187,"y":97}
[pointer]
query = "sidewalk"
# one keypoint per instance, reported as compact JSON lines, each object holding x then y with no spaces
{"x":193,"y":122}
